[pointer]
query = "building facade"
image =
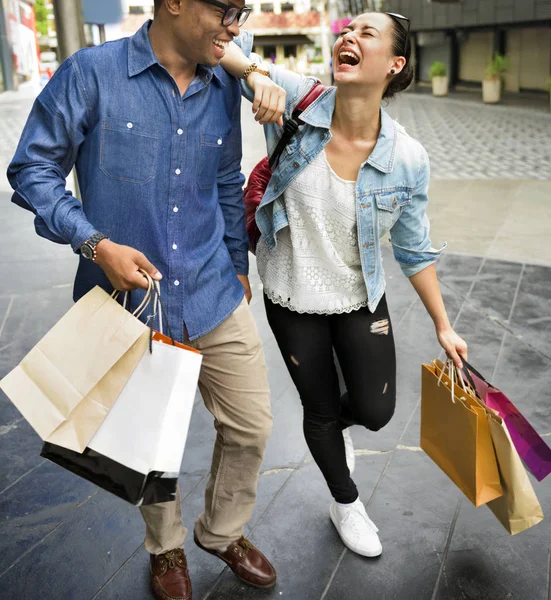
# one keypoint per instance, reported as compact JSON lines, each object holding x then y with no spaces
{"x":294,"y":33}
{"x":464,"y":34}
{"x":19,"y":49}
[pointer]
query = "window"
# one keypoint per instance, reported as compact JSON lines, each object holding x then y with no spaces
{"x":136,"y":10}
{"x":270,"y":53}
{"x":287,"y":7}
{"x":267,"y":8}
{"x":290,"y":50}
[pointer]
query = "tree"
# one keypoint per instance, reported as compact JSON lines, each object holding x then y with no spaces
{"x":41,"y":13}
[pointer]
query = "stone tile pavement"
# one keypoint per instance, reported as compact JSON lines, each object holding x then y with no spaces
{"x":468,"y":140}
{"x":63,"y":539}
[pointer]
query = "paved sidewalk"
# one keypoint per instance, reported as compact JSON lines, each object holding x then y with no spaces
{"x":63,"y":539}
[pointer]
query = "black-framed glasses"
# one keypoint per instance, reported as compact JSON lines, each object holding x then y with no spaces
{"x":231,"y":13}
{"x":404,"y":22}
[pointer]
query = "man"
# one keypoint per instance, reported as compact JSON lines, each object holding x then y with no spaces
{"x":152,"y":124}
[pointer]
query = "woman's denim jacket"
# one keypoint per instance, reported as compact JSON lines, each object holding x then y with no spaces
{"x":391,"y":189}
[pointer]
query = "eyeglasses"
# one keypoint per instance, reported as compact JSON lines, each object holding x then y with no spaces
{"x":231,"y":13}
{"x":404,"y":22}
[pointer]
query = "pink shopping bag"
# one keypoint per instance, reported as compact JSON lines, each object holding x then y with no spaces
{"x":535,"y":453}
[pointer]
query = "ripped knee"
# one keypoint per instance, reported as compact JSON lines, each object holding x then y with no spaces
{"x":294,"y":360}
{"x":381,"y":327}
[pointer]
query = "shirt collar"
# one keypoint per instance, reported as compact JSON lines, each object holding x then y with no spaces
{"x":141,"y":57}
{"x":320,"y":114}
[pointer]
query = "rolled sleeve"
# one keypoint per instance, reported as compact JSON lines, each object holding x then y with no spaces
{"x":46,"y":154}
{"x":410,"y":235}
{"x":294,"y":84}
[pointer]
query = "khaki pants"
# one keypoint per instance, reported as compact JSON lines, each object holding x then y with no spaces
{"x":234,"y":386}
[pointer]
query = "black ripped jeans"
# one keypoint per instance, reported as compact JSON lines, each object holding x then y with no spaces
{"x":365,"y":349}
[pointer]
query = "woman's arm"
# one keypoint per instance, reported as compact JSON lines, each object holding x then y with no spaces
{"x":269,"y":98}
{"x":426,"y":285}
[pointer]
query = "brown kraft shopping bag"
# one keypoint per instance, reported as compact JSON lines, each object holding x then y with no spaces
{"x":69,"y":381}
{"x":456,"y":436}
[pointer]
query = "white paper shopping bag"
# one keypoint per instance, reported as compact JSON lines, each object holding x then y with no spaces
{"x":137,"y":452}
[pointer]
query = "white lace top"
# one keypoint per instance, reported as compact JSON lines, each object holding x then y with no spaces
{"x":315,"y":266}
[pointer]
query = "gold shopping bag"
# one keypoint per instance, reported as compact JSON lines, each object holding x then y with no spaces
{"x":456,"y":435}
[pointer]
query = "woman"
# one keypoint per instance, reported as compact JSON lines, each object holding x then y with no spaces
{"x":349,"y":176}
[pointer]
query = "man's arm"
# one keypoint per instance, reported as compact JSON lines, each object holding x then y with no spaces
{"x":47,"y":151}
{"x":230,"y":182}
{"x":46,"y":154}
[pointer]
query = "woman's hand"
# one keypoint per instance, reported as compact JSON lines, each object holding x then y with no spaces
{"x":455,"y":346}
{"x":269,"y":99}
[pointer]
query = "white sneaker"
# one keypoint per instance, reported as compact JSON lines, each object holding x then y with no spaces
{"x":349,"y":449}
{"x":357,"y":530}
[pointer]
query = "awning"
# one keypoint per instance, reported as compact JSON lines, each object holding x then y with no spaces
{"x":285,"y":40}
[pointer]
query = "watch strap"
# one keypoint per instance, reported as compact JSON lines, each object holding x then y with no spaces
{"x":92,"y":243}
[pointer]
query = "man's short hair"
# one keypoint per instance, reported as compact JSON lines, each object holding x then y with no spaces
{"x":157,"y":6}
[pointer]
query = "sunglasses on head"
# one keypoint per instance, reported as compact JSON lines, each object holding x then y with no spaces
{"x":404,"y":22}
{"x":231,"y":13}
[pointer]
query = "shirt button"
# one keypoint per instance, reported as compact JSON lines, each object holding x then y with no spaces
{"x":180,"y":131}
{"x":175,"y":209}
{"x":296,"y":165}
{"x":177,"y":171}
{"x":175,"y":246}
{"x":130,"y":125}
{"x":219,"y":141}
{"x":176,"y":282}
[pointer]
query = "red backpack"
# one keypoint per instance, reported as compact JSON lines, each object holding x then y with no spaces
{"x":261,"y":174}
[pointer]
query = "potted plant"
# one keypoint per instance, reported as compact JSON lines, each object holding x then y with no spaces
{"x":439,"y":77}
{"x":492,"y":84}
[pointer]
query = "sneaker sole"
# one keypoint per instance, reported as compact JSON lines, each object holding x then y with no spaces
{"x":351,"y":546}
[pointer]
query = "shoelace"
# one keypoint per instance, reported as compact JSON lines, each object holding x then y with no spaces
{"x":245,"y":544}
{"x":357,"y":519}
{"x":175,"y":558}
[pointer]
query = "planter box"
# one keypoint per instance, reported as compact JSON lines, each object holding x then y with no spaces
{"x":440,"y":86}
{"x":491,"y":91}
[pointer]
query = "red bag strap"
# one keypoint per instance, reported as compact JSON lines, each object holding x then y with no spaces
{"x":315,"y":92}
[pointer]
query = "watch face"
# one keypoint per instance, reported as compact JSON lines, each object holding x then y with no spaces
{"x":87,"y":252}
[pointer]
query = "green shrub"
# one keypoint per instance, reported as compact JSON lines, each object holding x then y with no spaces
{"x":498,"y":65}
{"x":438,"y":69}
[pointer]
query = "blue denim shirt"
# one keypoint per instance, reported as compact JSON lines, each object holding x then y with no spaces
{"x":157,"y":171}
{"x":391,"y":189}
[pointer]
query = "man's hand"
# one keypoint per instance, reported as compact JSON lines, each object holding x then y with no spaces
{"x":245,"y":282}
{"x":122,"y":266}
{"x":269,"y":99}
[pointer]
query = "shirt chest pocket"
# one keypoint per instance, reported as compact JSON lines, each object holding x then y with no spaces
{"x":389,"y":207}
{"x":128,"y":150}
{"x":210,"y":153}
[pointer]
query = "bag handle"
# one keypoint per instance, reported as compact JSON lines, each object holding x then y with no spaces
{"x":146,"y":299}
{"x":470,"y":369}
{"x":291,"y":125}
{"x":159,"y":312}
{"x":454,"y":375}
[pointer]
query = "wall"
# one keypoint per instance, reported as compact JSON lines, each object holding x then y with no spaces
{"x":469,"y":13}
{"x":474,"y":55}
{"x":535,"y":58}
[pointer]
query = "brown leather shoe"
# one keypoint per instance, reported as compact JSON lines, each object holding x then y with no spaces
{"x":169,"y":576}
{"x":247,"y":562}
